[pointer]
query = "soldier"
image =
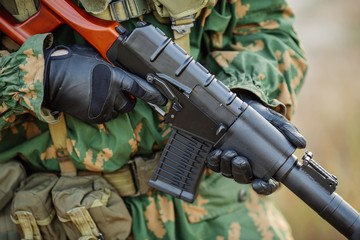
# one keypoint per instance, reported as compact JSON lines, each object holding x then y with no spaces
{"x":249,"y":45}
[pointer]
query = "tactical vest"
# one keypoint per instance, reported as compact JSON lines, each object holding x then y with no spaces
{"x":180,"y":14}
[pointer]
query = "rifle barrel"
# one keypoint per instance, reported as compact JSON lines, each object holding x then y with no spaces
{"x":330,"y":207}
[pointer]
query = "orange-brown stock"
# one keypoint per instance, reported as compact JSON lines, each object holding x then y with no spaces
{"x":52,"y":13}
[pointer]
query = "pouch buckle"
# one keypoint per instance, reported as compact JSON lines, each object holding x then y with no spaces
{"x":177,"y":24}
{"x":132,"y":166}
{"x":141,"y":8}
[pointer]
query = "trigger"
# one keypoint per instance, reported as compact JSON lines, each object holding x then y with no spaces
{"x":161,"y":86}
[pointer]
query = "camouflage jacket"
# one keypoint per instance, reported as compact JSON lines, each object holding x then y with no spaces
{"x":246,"y":44}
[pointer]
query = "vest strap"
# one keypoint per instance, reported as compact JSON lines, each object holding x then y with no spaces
{"x":181,"y":29}
{"x":58,"y":135}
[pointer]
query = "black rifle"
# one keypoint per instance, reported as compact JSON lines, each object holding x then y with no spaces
{"x":205,"y":114}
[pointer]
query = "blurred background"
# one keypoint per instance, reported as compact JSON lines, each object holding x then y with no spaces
{"x":328,"y":111}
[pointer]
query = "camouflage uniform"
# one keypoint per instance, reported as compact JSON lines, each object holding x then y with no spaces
{"x":246,"y":44}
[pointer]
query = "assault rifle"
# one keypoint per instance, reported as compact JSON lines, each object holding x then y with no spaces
{"x":219,"y":119}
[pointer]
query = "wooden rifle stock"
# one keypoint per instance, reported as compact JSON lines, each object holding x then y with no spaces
{"x":101,"y":34}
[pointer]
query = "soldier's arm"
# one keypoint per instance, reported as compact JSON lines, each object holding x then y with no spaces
{"x":21,"y":81}
{"x":260,"y":52}
{"x":259,"y":56}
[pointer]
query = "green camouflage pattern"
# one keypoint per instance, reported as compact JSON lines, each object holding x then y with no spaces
{"x":22,"y":80}
{"x":223,"y":210}
{"x":248,"y":45}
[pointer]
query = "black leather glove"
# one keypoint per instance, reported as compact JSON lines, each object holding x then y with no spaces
{"x":81,"y":83}
{"x":231,"y":165}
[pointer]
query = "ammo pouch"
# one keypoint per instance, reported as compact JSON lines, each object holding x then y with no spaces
{"x":11,"y":174}
{"x":32,"y":209}
{"x":90,"y":208}
{"x":8,"y":229}
{"x":179,"y":9}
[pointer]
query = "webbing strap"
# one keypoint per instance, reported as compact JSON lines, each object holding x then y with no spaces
{"x":58,"y":135}
{"x":183,"y":40}
{"x":28,"y":225}
{"x":82,"y":219}
{"x":181,"y":29}
{"x":131,"y":179}
{"x":41,"y":222}
{"x":123,"y":181}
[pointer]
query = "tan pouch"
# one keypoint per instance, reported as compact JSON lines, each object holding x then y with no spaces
{"x":11,"y":174}
{"x":179,"y":9}
{"x":20,"y":9}
{"x":32,"y":210}
{"x":90,"y":208}
{"x":8,"y":229}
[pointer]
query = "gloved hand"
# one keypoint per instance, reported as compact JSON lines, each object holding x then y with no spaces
{"x":231,"y":165}
{"x":78,"y":81}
